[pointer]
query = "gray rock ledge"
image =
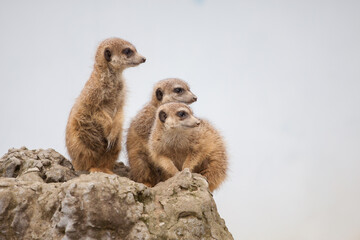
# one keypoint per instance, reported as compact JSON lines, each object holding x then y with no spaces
{"x":42,"y":197}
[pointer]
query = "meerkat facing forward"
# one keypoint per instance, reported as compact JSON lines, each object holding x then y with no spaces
{"x":178,"y":140}
{"x":167,"y":90}
{"x":94,"y":128}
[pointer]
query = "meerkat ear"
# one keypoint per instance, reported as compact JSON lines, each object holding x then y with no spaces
{"x":159,"y":94}
{"x":162,"y":116}
{"x":107,"y":55}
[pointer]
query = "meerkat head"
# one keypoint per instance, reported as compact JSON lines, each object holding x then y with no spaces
{"x":172,"y":90}
{"x":117,"y":54}
{"x":176,"y":116}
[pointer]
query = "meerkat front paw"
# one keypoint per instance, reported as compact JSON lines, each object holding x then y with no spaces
{"x":170,"y":174}
{"x":112,"y":141}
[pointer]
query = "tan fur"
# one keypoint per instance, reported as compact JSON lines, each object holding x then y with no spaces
{"x":179,"y":143}
{"x":139,"y":131}
{"x":94,"y":128}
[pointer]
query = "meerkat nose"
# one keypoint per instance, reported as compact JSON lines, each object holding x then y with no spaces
{"x":195,"y":98}
{"x":143,"y":59}
{"x":198,"y":123}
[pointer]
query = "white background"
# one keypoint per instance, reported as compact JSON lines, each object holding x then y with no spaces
{"x":279,"y":79}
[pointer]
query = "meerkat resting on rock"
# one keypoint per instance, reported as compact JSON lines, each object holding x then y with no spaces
{"x":178,"y":140}
{"x":141,"y":168}
{"x":94,"y":128}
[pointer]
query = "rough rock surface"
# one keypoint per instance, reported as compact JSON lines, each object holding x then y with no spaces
{"x":42,"y":197}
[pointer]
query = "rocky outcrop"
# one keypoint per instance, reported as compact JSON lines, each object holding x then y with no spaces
{"x":42,"y":197}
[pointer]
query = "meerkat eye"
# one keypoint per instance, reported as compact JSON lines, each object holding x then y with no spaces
{"x":128,"y":52}
{"x":107,"y":55}
{"x":182,"y":114}
{"x":178,"y":90}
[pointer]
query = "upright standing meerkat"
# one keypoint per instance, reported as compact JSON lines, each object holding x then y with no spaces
{"x":167,"y":90}
{"x":179,"y":140}
{"x":94,"y":128}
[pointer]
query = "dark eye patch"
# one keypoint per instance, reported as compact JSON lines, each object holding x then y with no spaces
{"x":178,"y":90}
{"x":162,"y":116}
{"x":182,"y":114}
{"x":159,"y":94}
{"x":107,"y":55}
{"x":128,"y":52}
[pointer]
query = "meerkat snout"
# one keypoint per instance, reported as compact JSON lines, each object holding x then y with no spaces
{"x":192,"y":122}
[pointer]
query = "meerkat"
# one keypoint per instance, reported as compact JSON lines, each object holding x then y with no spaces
{"x":178,"y":140}
{"x":167,"y":90}
{"x":94,"y":128}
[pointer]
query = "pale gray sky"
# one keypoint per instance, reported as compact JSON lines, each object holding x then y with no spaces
{"x":279,"y":79}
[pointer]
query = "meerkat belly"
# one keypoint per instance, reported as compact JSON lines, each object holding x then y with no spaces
{"x":178,"y":158}
{"x":91,"y":133}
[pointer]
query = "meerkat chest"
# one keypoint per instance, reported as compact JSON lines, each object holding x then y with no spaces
{"x":112,"y":107}
{"x":176,"y":147}
{"x":178,"y":157}
{"x":114,"y":99}
{"x":175,"y":142}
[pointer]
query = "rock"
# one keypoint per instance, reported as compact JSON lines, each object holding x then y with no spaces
{"x":48,"y":164}
{"x":42,"y":197}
